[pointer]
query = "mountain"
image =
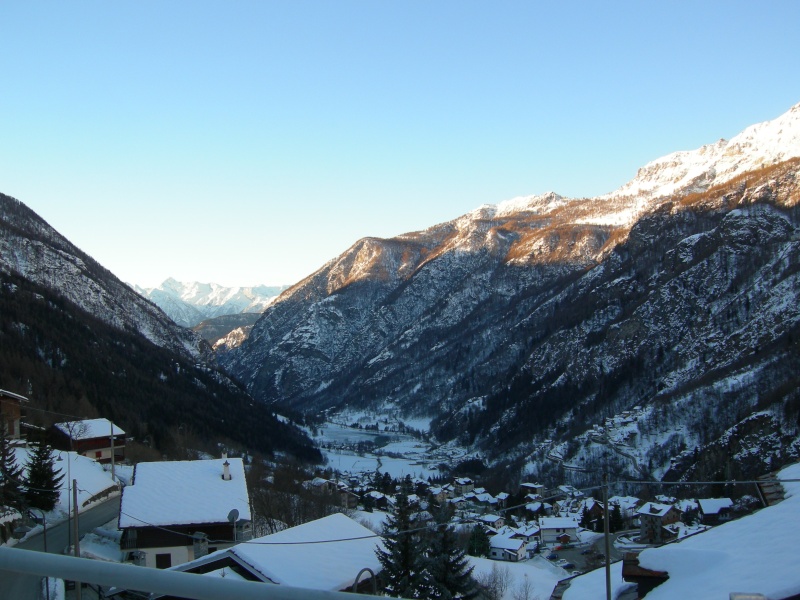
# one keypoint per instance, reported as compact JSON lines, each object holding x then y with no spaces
{"x":190,"y":303}
{"x":77,"y":341}
{"x":41,"y":255}
{"x":531,"y":322}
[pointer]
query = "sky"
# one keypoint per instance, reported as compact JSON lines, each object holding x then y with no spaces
{"x":246,"y":143}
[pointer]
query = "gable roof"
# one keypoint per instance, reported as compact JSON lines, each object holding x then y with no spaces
{"x":712,"y":506}
{"x":183,"y":493}
{"x":325,"y":554}
{"x":654,"y":509}
{"x":557,"y":522}
{"x":88,"y":429}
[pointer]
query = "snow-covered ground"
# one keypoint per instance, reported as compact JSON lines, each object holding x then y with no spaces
{"x":755,"y":554}
{"x":539,"y":575}
{"x":390,"y":450}
{"x":93,"y":483}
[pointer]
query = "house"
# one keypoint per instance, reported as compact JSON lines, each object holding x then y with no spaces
{"x":173,"y":512}
{"x":295,"y":557}
{"x":558,"y":530}
{"x":536,"y":489}
{"x":757,"y":553}
{"x":653,"y":519}
{"x":93,"y":438}
{"x":594,"y":513}
{"x":463,"y":485}
{"x":714,"y":511}
{"x":11,"y":413}
{"x":505,"y":547}
{"x":493,"y":521}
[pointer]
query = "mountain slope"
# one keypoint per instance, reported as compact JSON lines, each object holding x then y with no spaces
{"x":77,"y":341}
{"x":544,"y":314}
{"x":37,"y":252}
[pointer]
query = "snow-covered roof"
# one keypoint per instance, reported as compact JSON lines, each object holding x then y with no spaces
{"x":557,"y":522}
{"x":654,"y":509}
{"x":305,"y":557}
{"x":88,"y":429}
{"x":754,"y":553}
{"x":712,"y":506}
{"x":505,"y":542}
{"x":8,"y":394}
{"x":183,"y":493}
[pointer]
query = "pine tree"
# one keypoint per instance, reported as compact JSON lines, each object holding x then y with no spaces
{"x":479,"y":542}
{"x":43,"y":481}
{"x":11,"y":481}
{"x":401,"y":558}
{"x":615,"y":521}
{"x":449,"y":567}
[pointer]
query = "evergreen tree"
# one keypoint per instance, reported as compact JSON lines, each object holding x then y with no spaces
{"x":479,"y":542}
{"x":449,"y":567}
{"x":401,"y":558}
{"x":585,"y":518}
{"x":43,"y":481}
{"x":615,"y":521}
{"x":11,"y":493}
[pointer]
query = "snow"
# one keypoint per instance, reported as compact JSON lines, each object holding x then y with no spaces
{"x":89,"y":429}
{"x":540,"y":574}
{"x":712,"y":506}
{"x":757,"y":553}
{"x":184,"y":492}
{"x":371,"y":520}
{"x":319,"y":555}
{"x":91,"y":478}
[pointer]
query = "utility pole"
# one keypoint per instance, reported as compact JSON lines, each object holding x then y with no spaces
{"x":606,"y":535}
{"x":112,"y":451}
{"x":77,"y":538}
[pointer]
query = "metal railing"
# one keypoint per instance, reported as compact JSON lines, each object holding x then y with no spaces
{"x":175,"y":583}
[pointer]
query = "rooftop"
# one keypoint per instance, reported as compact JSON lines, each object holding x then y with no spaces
{"x":184,"y":493}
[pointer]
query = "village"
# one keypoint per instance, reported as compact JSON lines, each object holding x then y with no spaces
{"x":199,"y":516}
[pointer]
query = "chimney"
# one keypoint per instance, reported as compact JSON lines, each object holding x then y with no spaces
{"x":226,"y":471}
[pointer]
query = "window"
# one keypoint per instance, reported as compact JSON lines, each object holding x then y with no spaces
{"x":163,"y":561}
{"x":98,"y":453}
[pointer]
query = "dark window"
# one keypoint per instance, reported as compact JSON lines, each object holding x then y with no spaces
{"x":163,"y":561}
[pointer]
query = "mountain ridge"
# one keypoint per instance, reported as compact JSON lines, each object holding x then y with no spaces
{"x":452,"y":321}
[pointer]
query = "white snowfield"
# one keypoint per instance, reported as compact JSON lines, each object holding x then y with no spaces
{"x":754,"y":554}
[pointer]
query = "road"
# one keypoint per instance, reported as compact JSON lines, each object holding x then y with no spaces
{"x":26,"y":587}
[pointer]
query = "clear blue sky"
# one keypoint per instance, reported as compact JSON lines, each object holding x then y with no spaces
{"x":250,"y":142}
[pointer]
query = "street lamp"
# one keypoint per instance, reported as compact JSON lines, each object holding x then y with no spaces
{"x":69,"y":498}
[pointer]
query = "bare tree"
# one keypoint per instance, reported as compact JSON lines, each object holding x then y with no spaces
{"x":494,"y":585}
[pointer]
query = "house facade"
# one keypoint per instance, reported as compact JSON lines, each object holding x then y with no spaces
{"x":92,"y":438}
{"x":174,"y":512}
{"x":558,"y":530}
{"x":292,"y":558}
{"x":653,"y":519}
{"x":11,"y":413}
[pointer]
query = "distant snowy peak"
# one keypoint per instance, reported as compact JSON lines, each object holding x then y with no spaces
{"x":189,"y":303}
{"x":758,"y":146}
{"x":538,"y":204}
{"x":683,"y":172}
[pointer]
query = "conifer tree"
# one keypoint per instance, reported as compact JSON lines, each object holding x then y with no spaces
{"x":479,"y":542}
{"x":615,"y":521}
{"x":43,"y":481}
{"x":401,"y":558}
{"x":11,"y":493}
{"x":449,"y":567}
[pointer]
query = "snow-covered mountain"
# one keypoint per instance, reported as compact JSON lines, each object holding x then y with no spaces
{"x":189,"y":303}
{"x":540,"y":316}
{"x":32,"y":249}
